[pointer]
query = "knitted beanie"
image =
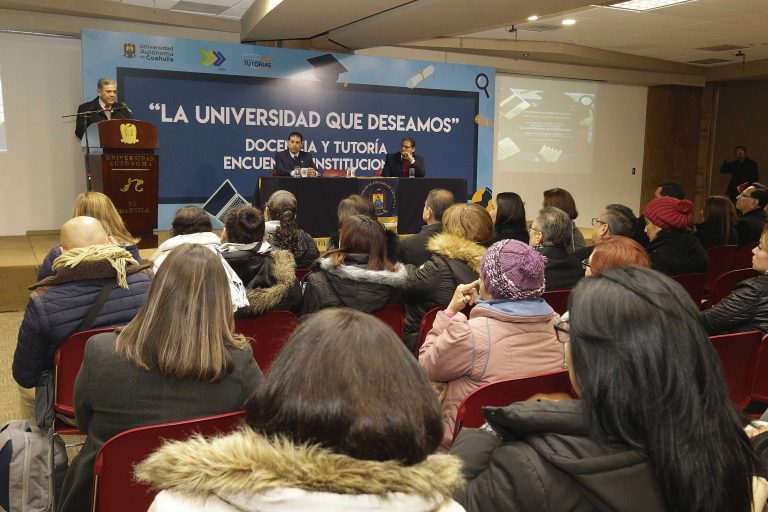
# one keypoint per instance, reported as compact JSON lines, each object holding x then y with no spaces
{"x":669,"y":213}
{"x":512,"y":270}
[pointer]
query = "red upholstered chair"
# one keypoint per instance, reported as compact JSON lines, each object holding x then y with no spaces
{"x":114,"y":489}
{"x":760,"y":381}
{"x":301,"y":272}
{"x":426,"y":325}
{"x":393,"y":316}
{"x":726,"y":283}
{"x":66,"y":364}
{"x":334,"y":173}
{"x":505,"y":392}
{"x":720,"y":260}
{"x":743,"y":257}
{"x":267,"y":333}
{"x":558,"y":299}
{"x":738,"y":355}
{"x":693,"y":284}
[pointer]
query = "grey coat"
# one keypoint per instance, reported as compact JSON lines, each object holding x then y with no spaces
{"x":112,"y":395}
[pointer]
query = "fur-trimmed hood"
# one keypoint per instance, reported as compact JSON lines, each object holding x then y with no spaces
{"x":396,"y":278}
{"x":455,"y":247}
{"x":265,"y":299}
{"x":244,"y":469}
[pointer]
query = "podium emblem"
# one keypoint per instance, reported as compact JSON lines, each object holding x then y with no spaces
{"x":128,"y":131}
{"x":138,"y":185}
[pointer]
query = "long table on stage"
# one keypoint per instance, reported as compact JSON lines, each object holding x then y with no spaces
{"x":319,"y":198}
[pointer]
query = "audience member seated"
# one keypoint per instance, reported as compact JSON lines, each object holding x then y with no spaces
{"x":269,"y":274}
{"x":750,"y":204}
{"x":510,"y":333}
{"x":611,"y":222}
{"x":550,"y":234}
{"x":719,"y":226}
{"x":359,"y":274}
{"x":673,"y":250}
{"x":60,"y":303}
{"x":561,"y":198}
{"x":614,"y":252}
{"x":508,"y":215}
{"x":665,"y":189}
{"x":654,"y":411}
{"x":413,"y":250}
{"x":192,"y":225}
{"x":746,"y":308}
{"x":344,"y":421}
{"x":638,"y":225}
{"x":101,"y":208}
{"x":454,"y":258}
{"x":283,"y":231}
{"x":355,"y":204}
{"x":178,"y":359}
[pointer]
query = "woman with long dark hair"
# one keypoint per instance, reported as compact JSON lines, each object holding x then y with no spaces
{"x":345,"y":421}
{"x":654,"y":428}
{"x":719,"y":226}
{"x":508,"y":214}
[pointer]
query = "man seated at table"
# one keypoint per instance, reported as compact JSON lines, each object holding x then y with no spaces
{"x":290,"y":161}
{"x":398,"y":165}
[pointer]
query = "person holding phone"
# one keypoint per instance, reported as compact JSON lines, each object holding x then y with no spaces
{"x":509,"y":333}
{"x":399,"y":165}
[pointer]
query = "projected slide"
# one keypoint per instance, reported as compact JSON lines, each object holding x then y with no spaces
{"x":545,"y":125}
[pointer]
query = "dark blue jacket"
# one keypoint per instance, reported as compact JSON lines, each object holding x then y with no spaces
{"x":284,"y":163}
{"x":55,"y":312}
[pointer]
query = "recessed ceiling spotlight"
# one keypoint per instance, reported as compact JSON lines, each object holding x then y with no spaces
{"x":646,"y":5}
{"x":569,"y":21}
{"x":533,"y":18}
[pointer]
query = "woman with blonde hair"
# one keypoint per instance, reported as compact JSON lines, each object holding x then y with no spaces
{"x":177,"y":359}
{"x":100,"y":207}
{"x":454,"y":258}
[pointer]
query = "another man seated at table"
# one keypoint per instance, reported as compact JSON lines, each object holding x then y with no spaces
{"x":413,"y":250}
{"x":398,"y":165}
{"x":292,"y":160}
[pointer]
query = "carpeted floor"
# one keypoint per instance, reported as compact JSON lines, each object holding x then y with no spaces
{"x":9,"y":398}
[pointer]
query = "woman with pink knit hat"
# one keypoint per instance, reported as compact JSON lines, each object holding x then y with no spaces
{"x":674,"y":250}
{"x":510,"y":333}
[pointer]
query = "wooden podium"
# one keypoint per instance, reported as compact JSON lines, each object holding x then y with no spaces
{"x":129,"y":173}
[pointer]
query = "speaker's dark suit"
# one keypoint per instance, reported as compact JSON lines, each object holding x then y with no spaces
{"x":394,"y":163}
{"x":285,"y":163}
{"x":119,"y":111}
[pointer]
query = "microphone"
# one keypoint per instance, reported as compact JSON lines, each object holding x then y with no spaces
{"x":120,"y":105}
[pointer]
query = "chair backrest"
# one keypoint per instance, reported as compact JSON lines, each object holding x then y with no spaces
{"x":393,"y":316}
{"x":726,"y":283}
{"x":505,"y":392}
{"x":424,"y":327}
{"x":267,"y":334}
{"x":738,"y":355}
{"x":720,"y":260}
{"x":558,"y":299}
{"x":334,"y":173}
{"x":66,"y":363}
{"x":743,"y":256}
{"x":693,"y":284}
{"x":301,"y":272}
{"x":760,"y":381}
{"x":114,"y":489}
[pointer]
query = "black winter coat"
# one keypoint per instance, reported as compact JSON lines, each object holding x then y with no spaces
{"x":562,"y":270}
{"x":751,"y":225}
{"x":745,"y":309}
{"x":548,"y":462}
{"x":306,"y":249}
{"x":511,"y":231}
{"x":677,"y":252}
{"x":710,"y":236}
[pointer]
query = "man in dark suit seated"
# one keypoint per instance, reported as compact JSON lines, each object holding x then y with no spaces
{"x":750,"y":204}
{"x":290,"y":161}
{"x":102,"y":108}
{"x":413,"y":250}
{"x":398,"y":165}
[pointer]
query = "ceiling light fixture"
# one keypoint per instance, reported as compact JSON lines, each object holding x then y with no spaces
{"x":646,"y":5}
{"x":533,"y":18}
{"x":569,"y":21}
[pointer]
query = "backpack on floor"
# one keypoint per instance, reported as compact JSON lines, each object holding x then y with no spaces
{"x":33,"y":463}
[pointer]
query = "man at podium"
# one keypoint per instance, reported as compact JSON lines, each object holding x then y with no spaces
{"x":102,"y":108}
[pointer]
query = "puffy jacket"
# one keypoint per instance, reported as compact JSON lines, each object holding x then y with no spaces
{"x":745,"y":309}
{"x":453,"y":261}
{"x":677,"y":252}
{"x":46,"y":267}
{"x":306,"y":249}
{"x":562,"y":270}
{"x":352,"y":285}
{"x":549,"y":461}
{"x":56,"y":311}
{"x":501,"y":340}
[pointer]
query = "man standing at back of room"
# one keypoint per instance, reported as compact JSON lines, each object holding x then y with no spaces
{"x":413,"y":249}
{"x":102,"y":108}
{"x":741,"y":169}
{"x":292,"y":160}
{"x":398,"y":165}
